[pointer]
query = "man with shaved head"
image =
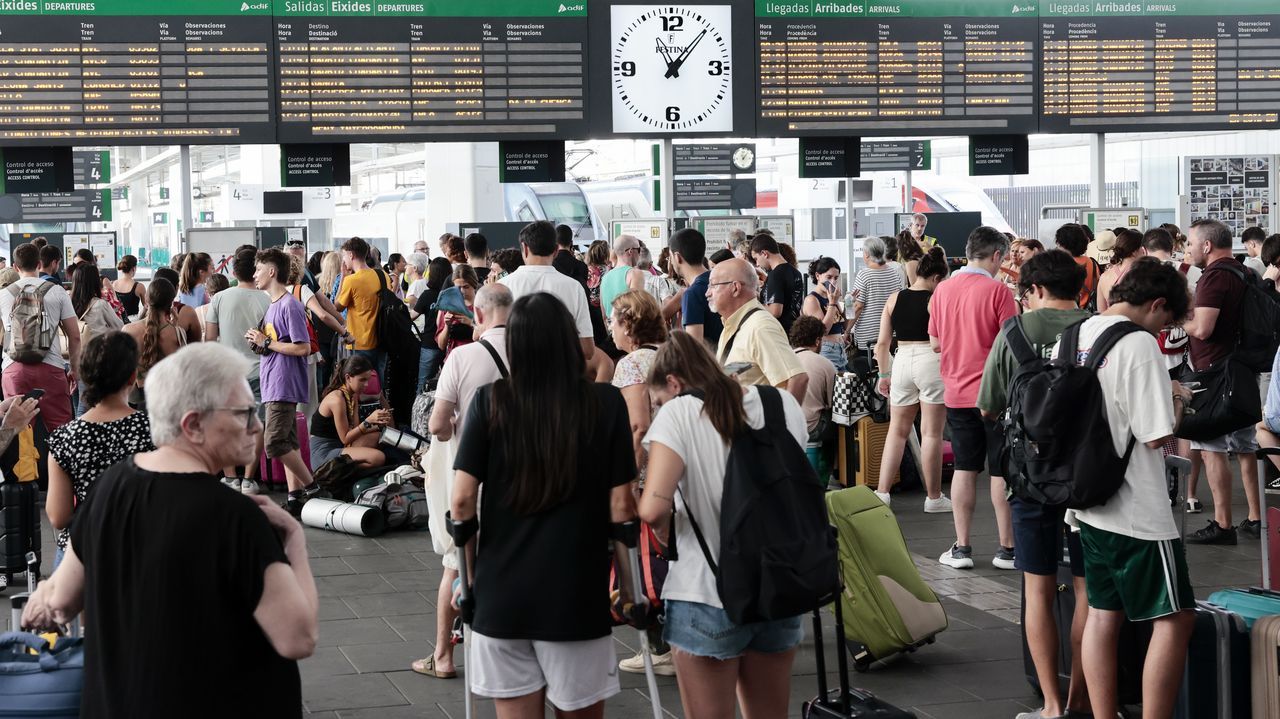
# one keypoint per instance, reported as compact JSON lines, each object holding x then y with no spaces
{"x":469,"y":368}
{"x":751,"y":333}
{"x":624,"y":275}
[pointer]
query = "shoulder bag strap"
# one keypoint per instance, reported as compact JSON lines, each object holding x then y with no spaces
{"x":697,"y":532}
{"x":1107,"y":340}
{"x":728,"y":345}
{"x":775,"y":417}
{"x":1015,"y":336}
{"x":502,"y":367}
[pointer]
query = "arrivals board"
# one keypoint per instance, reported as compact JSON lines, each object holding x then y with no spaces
{"x":131,"y":72}
{"x":871,"y":67}
{"x":1177,"y":65}
{"x":364,"y":71}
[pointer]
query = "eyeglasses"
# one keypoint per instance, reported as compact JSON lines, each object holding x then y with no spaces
{"x":249,"y":413}
{"x":726,"y":282}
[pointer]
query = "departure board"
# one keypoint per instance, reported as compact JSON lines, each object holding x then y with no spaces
{"x":896,"y":68}
{"x":135,"y":72}
{"x":431,"y":70}
{"x":1183,"y":65}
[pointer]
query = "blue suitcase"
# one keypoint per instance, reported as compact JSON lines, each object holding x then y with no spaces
{"x":1251,"y":604}
{"x":37,"y":680}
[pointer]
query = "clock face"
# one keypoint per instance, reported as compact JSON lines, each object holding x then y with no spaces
{"x":743,"y":158}
{"x":671,"y":68}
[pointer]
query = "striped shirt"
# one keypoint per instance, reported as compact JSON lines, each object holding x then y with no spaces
{"x":874,"y":286}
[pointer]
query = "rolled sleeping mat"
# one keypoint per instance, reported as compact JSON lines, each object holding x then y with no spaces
{"x":358,"y":519}
{"x":403,"y":439}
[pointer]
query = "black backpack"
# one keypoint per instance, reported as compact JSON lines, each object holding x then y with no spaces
{"x":777,"y":550}
{"x":1259,"y":321}
{"x":1057,"y":449}
{"x":395,"y":329}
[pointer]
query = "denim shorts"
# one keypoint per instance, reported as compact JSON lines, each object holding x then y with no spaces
{"x":705,"y":631}
{"x":1272,"y":424}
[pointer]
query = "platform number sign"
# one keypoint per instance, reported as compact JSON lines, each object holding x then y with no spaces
{"x":671,"y":68}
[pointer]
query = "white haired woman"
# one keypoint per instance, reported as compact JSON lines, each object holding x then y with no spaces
{"x":160,"y":543}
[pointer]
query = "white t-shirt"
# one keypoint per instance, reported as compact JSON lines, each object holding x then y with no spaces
{"x":681,"y":426}
{"x":417,"y":288}
{"x":528,"y":279}
{"x":1139,"y":401}
{"x":468,"y":368}
{"x":57,"y":307}
{"x":1256,"y":265}
{"x":237,"y":310}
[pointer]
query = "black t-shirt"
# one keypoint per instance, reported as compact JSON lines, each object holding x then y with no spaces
{"x":423,"y":307}
{"x":482,"y":271}
{"x":545,"y":576}
{"x":174,"y":567}
{"x":567,"y":264}
{"x":785,"y":286}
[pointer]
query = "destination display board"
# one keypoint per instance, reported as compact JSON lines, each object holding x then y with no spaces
{"x":870,"y":67}
{"x":134,"y":72}
{"x":364,"y":71}
{"x":1176,"y":65}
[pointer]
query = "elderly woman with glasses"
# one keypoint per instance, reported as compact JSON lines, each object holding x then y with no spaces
{"x":160,"y":544}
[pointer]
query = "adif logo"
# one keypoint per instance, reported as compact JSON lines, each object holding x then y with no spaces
{"x":245,"y":7}
{"x":572,"y":8}
{"x":1027,"y":8}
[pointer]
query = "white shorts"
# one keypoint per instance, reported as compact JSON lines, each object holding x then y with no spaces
{"x":917,"y":376}
{"x":576,"y":674}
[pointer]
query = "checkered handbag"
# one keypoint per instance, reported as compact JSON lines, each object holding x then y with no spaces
{"x":852,"y":399}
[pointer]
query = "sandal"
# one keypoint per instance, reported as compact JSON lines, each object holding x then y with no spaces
{"x":428,"y":667}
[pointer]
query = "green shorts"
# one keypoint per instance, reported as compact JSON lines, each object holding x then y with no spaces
{"x":1144,"y":579}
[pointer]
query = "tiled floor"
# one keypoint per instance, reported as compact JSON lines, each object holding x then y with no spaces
{"x":377,"y":615}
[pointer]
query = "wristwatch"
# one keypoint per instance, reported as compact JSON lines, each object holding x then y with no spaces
{"x":365,"y":424}
{"x":266,"y":345}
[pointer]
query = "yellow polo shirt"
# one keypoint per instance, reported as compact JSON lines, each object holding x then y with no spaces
{"x":359,"y":295}
{"x":759,"y":340}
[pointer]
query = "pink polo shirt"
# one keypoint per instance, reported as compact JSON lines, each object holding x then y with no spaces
{"x":965,"y":315}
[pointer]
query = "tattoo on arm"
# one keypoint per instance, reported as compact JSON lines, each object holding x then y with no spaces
{"x":662,"y":497}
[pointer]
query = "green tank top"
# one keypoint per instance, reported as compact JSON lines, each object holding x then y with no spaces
{"x":613,"y":284}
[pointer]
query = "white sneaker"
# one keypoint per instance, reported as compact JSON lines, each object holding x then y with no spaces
{"x":662,"y":665}
{"x":958,"y":557}
{"x":231,"y":482}
{"x":941,"y":505}
{"x":248,"y":486}
{"x":884,"y":497}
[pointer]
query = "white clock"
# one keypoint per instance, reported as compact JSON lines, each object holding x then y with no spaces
{"x":671,"y":68}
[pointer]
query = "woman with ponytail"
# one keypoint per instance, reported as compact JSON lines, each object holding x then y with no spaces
{"x":912,"y":381}
{"x":158,"y":336}
{"x":336,"y":427}
{"x":110,"y":430}
{"x":702,"y":410}
{"x":196,"y":267}
{"x":1126,"y":251}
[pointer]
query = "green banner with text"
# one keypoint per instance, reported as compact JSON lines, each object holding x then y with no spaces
{"x":497,"y":9}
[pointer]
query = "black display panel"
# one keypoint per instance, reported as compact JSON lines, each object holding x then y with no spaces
{"x":133,"y":72}
{"x":431,"y":71}
{"x":896,"y":68}
{"x":1185,"y":65}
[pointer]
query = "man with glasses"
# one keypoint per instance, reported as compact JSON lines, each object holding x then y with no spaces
{"x":752,"y":336}
{"x":624,"y":275}
{"x":283,"y":343}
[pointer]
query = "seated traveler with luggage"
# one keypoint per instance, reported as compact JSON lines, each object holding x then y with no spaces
{"x":1134,"y":563}
{"x":160,"y":549}
{"x":109,"y":430}
{"x":553,"y":453}
{"x":1048,"y":286}
{"x":702,"y":411}
{"x":336,"y":427}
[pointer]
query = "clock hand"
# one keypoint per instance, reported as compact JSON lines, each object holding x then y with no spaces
{"x":664,"y":51}
{"x":674,"y":69}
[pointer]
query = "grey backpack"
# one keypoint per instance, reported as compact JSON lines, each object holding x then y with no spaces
{"x":403,"y":505}
{"x":30,"y":336}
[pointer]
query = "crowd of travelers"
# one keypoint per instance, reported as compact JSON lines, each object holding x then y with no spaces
{"x":586,"y":390}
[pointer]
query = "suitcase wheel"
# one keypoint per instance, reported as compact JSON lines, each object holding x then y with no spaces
{"x":861,"y":665}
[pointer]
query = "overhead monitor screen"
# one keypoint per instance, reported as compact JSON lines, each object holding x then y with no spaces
{"x":134,"y":72}
{"x":1176,"y":65}
{"x":365,"y":71}
{"x":896,"y":68}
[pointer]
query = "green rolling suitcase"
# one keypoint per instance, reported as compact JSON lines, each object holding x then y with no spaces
{"x":888,"y":607}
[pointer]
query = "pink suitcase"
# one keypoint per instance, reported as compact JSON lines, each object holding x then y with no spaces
{"x":271,"y":472}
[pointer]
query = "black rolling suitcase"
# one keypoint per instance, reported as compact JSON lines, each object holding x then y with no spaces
{"x":1216,"y":683}
{"x":845,"y":702}
{"x":19,"y":529}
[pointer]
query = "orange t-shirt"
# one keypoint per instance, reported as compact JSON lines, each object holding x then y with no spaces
{"x":1090,"y":278}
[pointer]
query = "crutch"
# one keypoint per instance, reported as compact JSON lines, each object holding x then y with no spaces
{"x":628,"y":534}
{"x":462,"y":532}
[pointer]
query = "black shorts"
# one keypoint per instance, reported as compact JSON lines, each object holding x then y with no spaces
{"x":974,"y":440}
{"x":1038,"y":534}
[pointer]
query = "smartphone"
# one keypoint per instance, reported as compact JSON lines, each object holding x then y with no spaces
{"x":736,"y":368}
{"x":34,"y":394}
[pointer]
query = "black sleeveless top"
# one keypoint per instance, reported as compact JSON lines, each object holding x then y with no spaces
{"x":129,"y":300}
{"x":322,"y":426}
{"x":910,"y":318}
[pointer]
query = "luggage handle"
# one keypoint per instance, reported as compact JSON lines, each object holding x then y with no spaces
{"x":26,"y":640}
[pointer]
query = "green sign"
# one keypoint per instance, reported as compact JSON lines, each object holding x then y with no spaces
{"x":206,"y":216}
{"x":1166,"y":8}
{"x":902,"y":8}
{"x":159,"y":218}
{"x":105,"y":8}
{"x":164,"y":193}
{"x":497,"y":9}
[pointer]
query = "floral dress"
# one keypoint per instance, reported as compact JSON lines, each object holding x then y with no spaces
{"x":87,"y":449}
